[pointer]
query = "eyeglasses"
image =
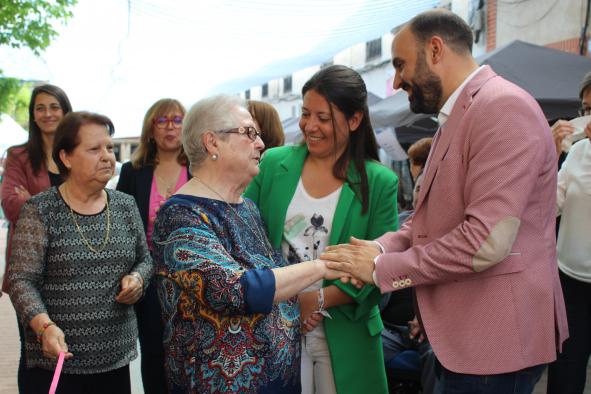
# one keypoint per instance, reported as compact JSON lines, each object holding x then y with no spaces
{"x":162,"y":122}
{"x":584,"y":111}
{"x":251,"y":132}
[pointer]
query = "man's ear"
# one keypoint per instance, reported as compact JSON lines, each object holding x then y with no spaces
{"x":435,"y":50}
{"x":355,"y":120}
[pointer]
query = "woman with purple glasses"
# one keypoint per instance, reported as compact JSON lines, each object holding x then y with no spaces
{"x":157,"y":169}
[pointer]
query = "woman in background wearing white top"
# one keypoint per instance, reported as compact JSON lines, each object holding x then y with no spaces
{"x":323,"y":192}
{"x":573,"y":199}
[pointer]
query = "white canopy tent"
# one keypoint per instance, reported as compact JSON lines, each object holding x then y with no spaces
{"x":11,"y":133}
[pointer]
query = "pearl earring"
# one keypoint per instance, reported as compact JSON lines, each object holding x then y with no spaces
{"x":214,"y":157}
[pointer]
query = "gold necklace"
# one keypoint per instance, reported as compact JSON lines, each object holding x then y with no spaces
{"x":88,"y":245}
{"x":257,"y":233}
{"x":169,"y":186}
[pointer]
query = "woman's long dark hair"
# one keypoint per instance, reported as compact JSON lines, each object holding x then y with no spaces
{"x":34,"y":144}
{"x":344,"y":87}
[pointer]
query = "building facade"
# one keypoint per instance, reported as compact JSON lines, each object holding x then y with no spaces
{"x":559,"y":24}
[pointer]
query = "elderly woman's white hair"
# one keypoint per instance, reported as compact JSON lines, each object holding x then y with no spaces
{"x":210,"y":114}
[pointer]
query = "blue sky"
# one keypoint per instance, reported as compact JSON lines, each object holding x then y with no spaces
{"x":117,"y":57}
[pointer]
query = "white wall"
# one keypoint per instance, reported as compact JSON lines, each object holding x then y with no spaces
{"x":539,"y":22}
{"x":377,"y":79}
{"x":290,"y":105}
{"x":288,"y":108}
{"x":464,"y":9}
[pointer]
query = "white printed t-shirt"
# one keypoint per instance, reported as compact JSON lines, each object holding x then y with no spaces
{"x":306,"y":232}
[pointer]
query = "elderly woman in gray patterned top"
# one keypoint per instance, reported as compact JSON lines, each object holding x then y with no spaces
{"x":79,"y":263}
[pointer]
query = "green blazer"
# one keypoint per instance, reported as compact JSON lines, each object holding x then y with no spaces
{"x":353,"y":333}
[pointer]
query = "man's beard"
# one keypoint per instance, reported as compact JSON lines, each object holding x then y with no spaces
{"x":426,"y":89}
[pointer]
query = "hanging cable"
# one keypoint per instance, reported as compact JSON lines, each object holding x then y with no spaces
{"x":583,"y":39}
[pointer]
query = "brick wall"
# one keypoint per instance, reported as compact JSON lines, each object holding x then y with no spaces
{"x":491,"y":25}
{"x":570,"y":45}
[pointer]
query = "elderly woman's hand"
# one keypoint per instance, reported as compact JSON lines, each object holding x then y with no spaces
{"x":53,"y":342}
{"x":131,"y":289}
{"x":331,"y":274}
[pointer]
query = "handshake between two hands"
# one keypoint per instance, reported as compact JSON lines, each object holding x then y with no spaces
{"x":352,"y":262}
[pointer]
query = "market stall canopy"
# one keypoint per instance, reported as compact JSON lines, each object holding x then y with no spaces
{"x":394,"y":112}
{"x":551,"y":76}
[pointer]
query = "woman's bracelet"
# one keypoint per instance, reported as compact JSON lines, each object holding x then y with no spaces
{"x":321,"y":300}
{"x":321,"y":309}
{"x":42,"y":330}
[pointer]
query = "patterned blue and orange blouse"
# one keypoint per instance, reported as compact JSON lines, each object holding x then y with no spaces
{"x":222,"y":333}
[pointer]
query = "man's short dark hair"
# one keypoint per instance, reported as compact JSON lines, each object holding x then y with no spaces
{"x":439,"y":22}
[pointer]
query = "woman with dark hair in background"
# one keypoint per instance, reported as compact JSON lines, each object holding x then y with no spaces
{"x":157,"y":169}
{"x":30,"y":169}
{"x":324,"y":192}
{"x":268,"y":123}
{"x":79,"y":262}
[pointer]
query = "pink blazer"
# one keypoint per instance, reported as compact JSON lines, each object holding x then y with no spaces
{"x":18,"y":171}
{"x":480,"y":248}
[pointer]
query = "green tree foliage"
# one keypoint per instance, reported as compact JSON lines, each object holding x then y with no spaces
{"x":14,"y":99}
{"x":28,"y":23}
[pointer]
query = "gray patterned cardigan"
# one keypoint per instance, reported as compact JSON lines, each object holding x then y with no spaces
{"x":53,"y":271}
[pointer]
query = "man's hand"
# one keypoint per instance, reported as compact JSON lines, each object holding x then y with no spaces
{"x":356,"y":258}
{"x":330,"y":273}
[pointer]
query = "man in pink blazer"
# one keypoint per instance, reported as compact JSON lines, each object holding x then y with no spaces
{"x":480,"y":248}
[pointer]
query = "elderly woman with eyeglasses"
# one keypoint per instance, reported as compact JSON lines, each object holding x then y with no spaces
{"x":157,"y":169}
{"x":79,"y":262}
{"x":228,"y":298}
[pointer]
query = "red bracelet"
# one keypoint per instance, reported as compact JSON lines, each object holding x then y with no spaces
{"x":42,"y":331}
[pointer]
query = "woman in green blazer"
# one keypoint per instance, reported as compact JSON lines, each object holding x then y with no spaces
{"x":337,"y":172}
